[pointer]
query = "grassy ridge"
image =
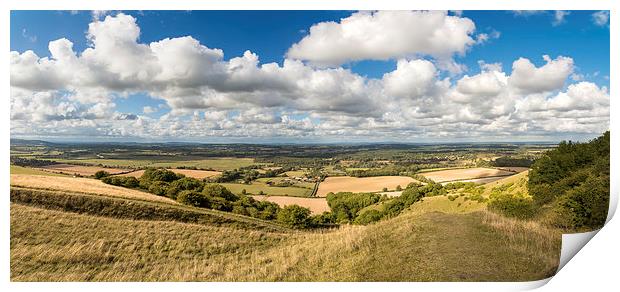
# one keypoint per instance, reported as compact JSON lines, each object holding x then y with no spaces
{"x":412,"y":247}
{"x":66,"y":236}
{"x":133,"y":209}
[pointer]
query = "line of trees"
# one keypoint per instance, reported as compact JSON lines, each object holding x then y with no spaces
{"x":30,"y":162}
{"x":354,"y":208}
{"x":197,"y":193}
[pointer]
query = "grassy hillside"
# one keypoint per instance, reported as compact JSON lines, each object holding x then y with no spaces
{"x":66,"y":236}
{"x":413,"y":247}
{"x":517,"y":182}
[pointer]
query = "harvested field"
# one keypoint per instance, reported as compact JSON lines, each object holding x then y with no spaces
{"x":199,"y":174}
{"x":316,"y":205}
{"x":362,"y":184}
{"x":465,"y":174}
{"x":79,"y":169}
{"x":82,"y":185}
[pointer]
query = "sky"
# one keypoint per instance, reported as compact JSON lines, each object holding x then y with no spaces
{"x":309,"y":76}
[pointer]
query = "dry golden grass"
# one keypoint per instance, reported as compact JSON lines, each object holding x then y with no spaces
{"x":57,"y":246}
{"x":361,"y":184}
{"x":79,"y":169}
{"x":518,"y":184}
{"x":464,"y":174}
{"x":444,"y":205}
{"x":199,"y":174}
{"x":527,"y":236}
{"x":82,"y":185}
{"x":316,"y":205}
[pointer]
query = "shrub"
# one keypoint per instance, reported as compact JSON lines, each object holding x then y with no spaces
{"x":159,"y":188}
{"x":510,"y":205}
{"x":101,"y":174}
{"x":345,"y":205}
{"x":325,"y":218}
{"x":184,"y":184}
{"x":294,"y":216}
{"x":122,"y":181}
{"x":193,"y":198}
{"x":584,"y":206}
{"x":130,"y":182}
{"x":369,"y":216}
{"x":157,"y":175}
{"x":217,"y":190}
{"x":433,"y":189}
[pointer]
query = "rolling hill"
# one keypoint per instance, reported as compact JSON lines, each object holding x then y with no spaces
{"x":72,"y":236}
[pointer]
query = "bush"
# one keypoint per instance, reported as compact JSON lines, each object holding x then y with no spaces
{"x":294,"y":216}
{"x":510,"y":205}
{"x":101,"y":174}
{"x":584,"y":206}
{"x":159,"y":188}
{"x":193,"y":198}
{"x":368,"y":217}
{"x":151,"y":175}
{"x":433,"y":189}
{"x":217,"y":190}
{"x":184,"y":184}
{"x":122,"y":181}
{"x":325,"y":218}
{"x":345,"y":205}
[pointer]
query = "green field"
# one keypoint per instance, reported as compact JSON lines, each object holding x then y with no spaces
{"x":27,"y":170}
{"x":307,"y":185}
{"x":257,"y":187}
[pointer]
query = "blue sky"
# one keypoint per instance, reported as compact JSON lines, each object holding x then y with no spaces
{"x":271,"y":34}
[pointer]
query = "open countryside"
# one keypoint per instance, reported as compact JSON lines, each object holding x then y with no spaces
{"x":304,"y":146}
{"x":317,"y":213}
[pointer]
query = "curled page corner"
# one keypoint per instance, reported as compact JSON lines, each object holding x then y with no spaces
{"x":572,"y":244}
{"x":532,"y":284}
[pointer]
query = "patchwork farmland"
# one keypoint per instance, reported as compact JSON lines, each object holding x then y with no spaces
{"x":268,"y":209}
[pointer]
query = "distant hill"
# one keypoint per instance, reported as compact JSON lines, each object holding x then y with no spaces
{"x":25,"y":142}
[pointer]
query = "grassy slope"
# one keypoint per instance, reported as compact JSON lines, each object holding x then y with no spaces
{"x":518,"y":181}
{"x":412,"y":247}
{"x":419,"y":245}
